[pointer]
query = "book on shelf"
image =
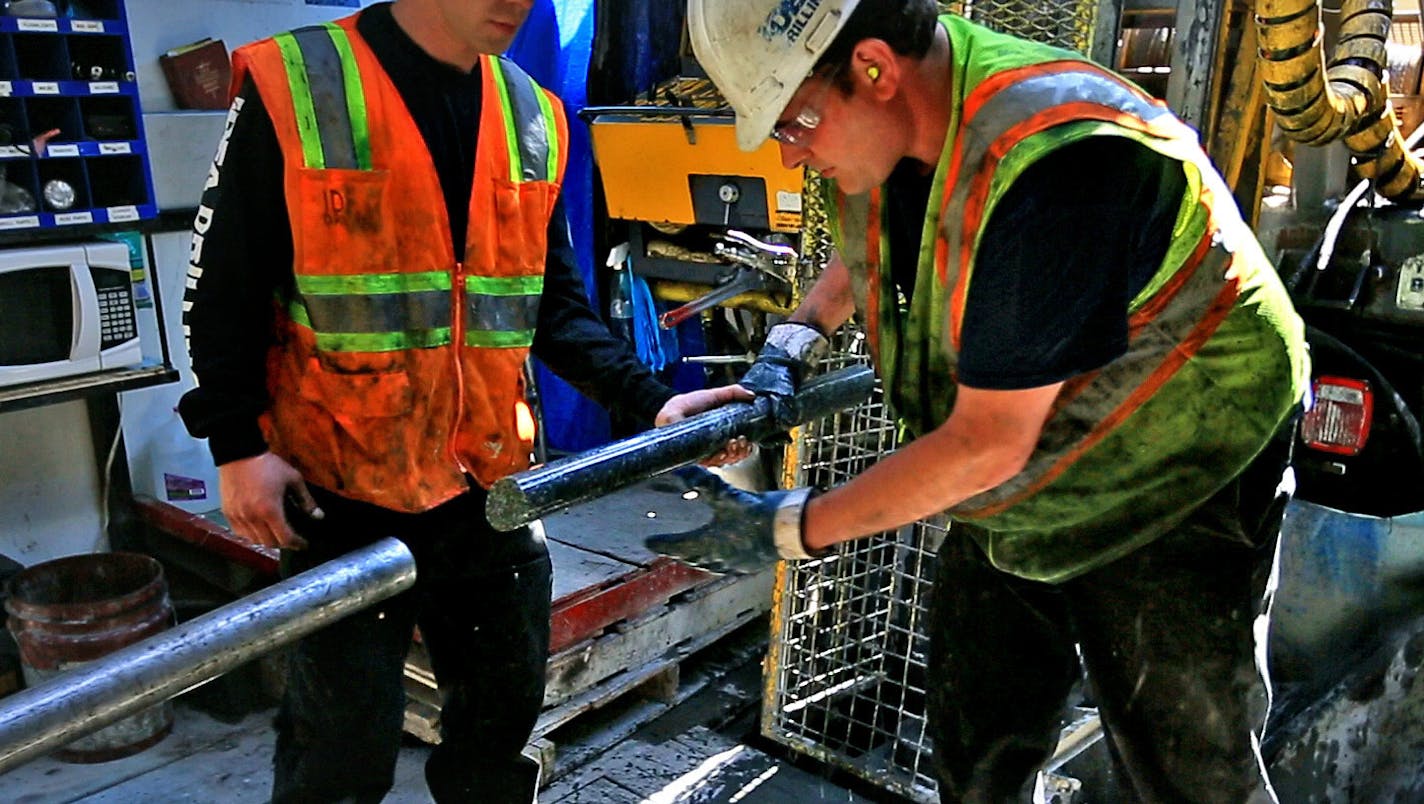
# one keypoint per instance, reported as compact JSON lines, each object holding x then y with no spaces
{"x":198,"y":74}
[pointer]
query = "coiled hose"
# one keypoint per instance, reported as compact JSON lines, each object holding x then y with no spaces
{"x":1349,"y":101}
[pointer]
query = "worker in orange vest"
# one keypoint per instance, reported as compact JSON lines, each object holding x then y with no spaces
{"x":368,"y":276}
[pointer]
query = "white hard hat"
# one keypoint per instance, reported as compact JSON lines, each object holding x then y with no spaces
{"x":758,"y":52}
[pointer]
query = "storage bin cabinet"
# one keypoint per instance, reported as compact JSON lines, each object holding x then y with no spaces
{"x":71,"y":129}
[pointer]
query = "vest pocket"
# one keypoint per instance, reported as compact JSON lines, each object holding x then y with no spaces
{"x":363,"y":306}
{"x":346,"y":227}
{"x":522,"y":224}
{"x":356,"y":394}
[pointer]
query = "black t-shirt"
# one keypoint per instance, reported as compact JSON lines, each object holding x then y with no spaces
{"x":1071,"y":242}
{"x":245,"y":254}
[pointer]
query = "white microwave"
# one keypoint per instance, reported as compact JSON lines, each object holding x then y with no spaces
{"x":66,"y":310}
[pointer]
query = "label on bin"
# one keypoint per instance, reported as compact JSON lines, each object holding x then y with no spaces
{"x":103,"y":87}
{"x":117,"y":214}
{"x":45,"y":87}
{"x":114,"y":148}
{"x":1409,"y":294}
{"x":62,"y":150}
{"x":71,"y":218}
{"x":86,"y":26}
{"x":25,"y":24}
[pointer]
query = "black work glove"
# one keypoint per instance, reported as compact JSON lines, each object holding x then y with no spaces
{"x":749,"y":530}
{"x":790,"y":352}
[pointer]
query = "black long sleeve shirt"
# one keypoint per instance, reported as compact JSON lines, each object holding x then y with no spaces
{"x":244,"y":256}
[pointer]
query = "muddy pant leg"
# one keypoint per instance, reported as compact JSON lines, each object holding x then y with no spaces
{"x":339,"y":725}
{"x":1169,"y":636}
{"x":487,"y":630}
{"x":1001,"y":668}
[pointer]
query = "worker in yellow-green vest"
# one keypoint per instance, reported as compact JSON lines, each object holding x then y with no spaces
{"x":377,"y":253}
{"x":1097,"y":368}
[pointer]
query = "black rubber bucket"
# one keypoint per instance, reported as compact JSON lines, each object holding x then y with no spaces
{"x":70,"y":611}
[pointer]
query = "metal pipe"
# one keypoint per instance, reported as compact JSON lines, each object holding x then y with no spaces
{"x":524,"y":497}
{"x":40,"y":719}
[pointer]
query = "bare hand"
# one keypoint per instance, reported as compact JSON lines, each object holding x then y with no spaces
{"x":694,"y":402}
{"x":254,"y":493}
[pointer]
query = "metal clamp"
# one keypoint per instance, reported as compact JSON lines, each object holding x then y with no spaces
{"x":774,"y":260}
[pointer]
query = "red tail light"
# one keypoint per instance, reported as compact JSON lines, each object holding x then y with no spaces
{"x":1339,"y":419}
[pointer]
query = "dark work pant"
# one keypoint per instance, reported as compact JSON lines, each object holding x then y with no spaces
{"x":481,"y":600}
{"x":1167,"y":639}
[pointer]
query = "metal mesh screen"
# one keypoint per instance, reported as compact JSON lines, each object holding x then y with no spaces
{"x":847,"y":661}
{"x":1068,"y":23}
{"x":846,"y":667}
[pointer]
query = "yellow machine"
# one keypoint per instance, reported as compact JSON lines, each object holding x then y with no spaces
{"x":675,"y":166}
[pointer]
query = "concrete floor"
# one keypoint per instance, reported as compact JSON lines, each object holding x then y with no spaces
{"x":696,"y":742}
{"x":699,"y":748}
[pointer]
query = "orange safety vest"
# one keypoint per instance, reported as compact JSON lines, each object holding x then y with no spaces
{"x":397,"y":367}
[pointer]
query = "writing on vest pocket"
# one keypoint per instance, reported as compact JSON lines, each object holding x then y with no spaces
{"x":345,"y":226}
{"x":361,"y":303}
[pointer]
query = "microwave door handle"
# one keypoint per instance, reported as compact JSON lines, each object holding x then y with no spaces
{"x":86,"y":312}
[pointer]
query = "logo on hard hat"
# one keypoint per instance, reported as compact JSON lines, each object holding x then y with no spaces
{"x":788,"y":20}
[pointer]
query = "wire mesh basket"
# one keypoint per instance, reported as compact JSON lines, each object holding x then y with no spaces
{"x":846,"y":668}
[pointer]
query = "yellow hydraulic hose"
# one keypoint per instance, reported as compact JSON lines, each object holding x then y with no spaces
{"x":1350,"y":100}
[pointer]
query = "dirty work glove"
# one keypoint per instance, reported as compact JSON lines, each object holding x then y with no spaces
{"x":790,"y":352}
{"x":749,"y":530}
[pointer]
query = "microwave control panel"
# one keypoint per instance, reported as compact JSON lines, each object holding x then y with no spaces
{"x":117,"y":323}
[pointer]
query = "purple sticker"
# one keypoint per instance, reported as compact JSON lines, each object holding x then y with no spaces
{"x":184,"y":489}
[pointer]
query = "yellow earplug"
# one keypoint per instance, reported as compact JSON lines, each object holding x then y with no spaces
{"x":873,"y":72}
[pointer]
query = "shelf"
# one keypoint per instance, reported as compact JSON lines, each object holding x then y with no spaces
{"x":68,"y":92}
{"x":160,"y":221}
{"x":65,"y":89}
{"x":70,"y":149}
{"x":59,"y":25}
{"x":126,"y":213}
{"x":32,"y":395}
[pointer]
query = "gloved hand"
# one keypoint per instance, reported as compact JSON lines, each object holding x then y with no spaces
{"x":749,"y":530}
{"x":790,"y":352}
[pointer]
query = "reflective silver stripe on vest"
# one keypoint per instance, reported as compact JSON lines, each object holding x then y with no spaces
{"x":502,"y":313}
{"x":531,"y":128}
{"x":1012,"y":105}
{"x":378,"y":312}
{"x":1148,"y":350}
{"x":328,"y":92}
{"x":1152,"y":347}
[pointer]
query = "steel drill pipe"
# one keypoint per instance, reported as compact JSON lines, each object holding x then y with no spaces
{"x":40,"y":719}
{"x":524,"y":497}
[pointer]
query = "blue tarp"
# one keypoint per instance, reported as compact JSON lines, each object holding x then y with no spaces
{"x":555,"y":46}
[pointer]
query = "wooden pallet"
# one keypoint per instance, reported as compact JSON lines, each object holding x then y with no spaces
{"x":639,"y":656}
{"x":622,"y":617}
